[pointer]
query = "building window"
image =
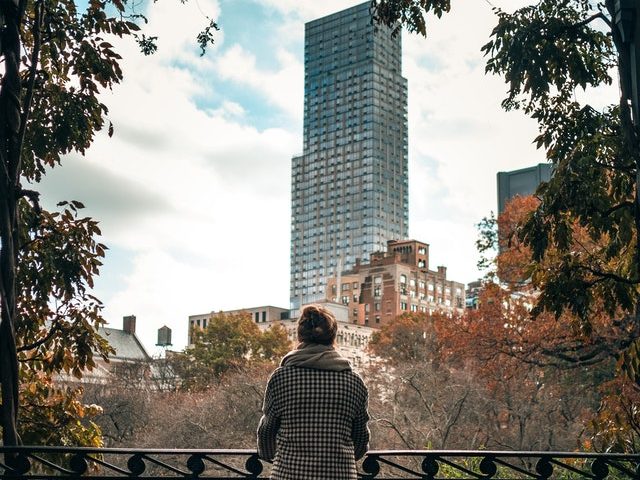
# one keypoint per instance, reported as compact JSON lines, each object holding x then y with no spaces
{"x":414,"y":308}
{"x":377,"y":292}
{"x":403,"y":279}
{"x":376,"y":307}
{"x":355,"y":299}
{"x":346,"y":286}
{"x":355,"y":285}
{"x":377,"y":280}
{"x":367,"y":307}
{"x":403,"y":305}
{"x":264,"y":316}
{"x":377,"y":318}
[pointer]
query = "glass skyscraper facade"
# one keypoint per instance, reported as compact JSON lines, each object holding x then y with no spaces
{"x":349,"y":191}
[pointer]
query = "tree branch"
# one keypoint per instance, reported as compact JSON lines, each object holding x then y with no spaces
{"x":593,"y":17}
{"x":28,"y":98}
{"x":622,"y":168}
{"x":45,"y":339}
{"x":626,"y":204}
{"x":607,"y":276}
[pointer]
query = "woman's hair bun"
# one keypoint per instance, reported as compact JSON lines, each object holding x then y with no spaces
{"x":317,"y":325}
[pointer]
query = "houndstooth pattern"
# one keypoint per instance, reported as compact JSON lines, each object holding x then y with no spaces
{"x":314,"y":424}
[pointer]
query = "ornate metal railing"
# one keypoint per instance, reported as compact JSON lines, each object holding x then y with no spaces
{"x":39,"y":463}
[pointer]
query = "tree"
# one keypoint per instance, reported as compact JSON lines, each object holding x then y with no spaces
{"x":230,"y":342}
{"x":464,"y":388}
{"x":409,"y":338}
{"x":546,"y":53}
{"x":55,"y":61}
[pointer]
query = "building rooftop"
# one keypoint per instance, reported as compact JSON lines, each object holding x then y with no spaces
{"x":126,"y":345}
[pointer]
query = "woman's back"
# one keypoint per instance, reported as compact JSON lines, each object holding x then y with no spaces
{"x":322,"y":415}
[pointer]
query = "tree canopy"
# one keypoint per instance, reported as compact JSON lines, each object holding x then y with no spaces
{"x":56,"y":59}
{"x":546,"y":52}
{"x":583,"y":234}
{"x":229,"y":342}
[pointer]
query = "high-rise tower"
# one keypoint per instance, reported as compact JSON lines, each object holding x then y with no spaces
{"x":349,"y":188}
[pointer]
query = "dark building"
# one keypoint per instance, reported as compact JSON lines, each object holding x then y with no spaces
{"x":349,"y":192}
{"x":521,"y":182}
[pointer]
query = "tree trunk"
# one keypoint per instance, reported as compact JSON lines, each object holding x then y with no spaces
{"x":10,"y":13}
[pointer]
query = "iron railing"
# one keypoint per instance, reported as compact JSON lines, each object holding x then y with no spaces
{"x":39,"y":463}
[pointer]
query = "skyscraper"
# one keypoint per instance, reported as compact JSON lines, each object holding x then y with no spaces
{"x":349,"y":192}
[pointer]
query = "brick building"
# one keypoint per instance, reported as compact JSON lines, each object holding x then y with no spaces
{"x":395,"y":282}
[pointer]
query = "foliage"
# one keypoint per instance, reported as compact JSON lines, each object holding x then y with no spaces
{"x":408,"y":338}
{"x":408,"y":13}
{"x":416,"y":405}
{"x":473,"y":386}
{"x":230,"y":342}
{"x":221,"y":416}
{"x":617,"y":424}
{"x":547,"y":53}
{"x":583,"y":235}
{"x":487,"y":245}
{"x":61,"y":417}
{"x":56,"y":60}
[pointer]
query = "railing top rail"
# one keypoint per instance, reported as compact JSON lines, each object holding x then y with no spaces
{"x":505,"y":453}
{"x":248,"y":451}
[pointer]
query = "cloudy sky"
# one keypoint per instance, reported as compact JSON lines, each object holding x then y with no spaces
{"x":193,"y":189}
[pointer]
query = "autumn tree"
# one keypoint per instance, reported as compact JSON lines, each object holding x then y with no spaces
{"x":548,"y":53}
{"x":462,"y":382}
{"x":409,"y":338}
{"x":56,"y":59}
{"x":229,"y":342}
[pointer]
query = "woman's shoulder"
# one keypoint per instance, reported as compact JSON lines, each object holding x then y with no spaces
{"x":357,"y":379}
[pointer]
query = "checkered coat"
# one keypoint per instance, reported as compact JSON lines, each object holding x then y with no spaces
{"x":314,"y":424}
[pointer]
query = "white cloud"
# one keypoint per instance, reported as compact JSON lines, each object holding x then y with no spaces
{"x":308,"y":10}
{"x":282,"y":86}
{"x":208,"y":183}
{"x":459,"y":136}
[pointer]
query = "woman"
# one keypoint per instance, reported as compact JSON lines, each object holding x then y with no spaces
{"x":314,"y":423}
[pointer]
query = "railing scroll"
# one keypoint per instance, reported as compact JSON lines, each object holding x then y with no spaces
{"x":40,"y":463}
